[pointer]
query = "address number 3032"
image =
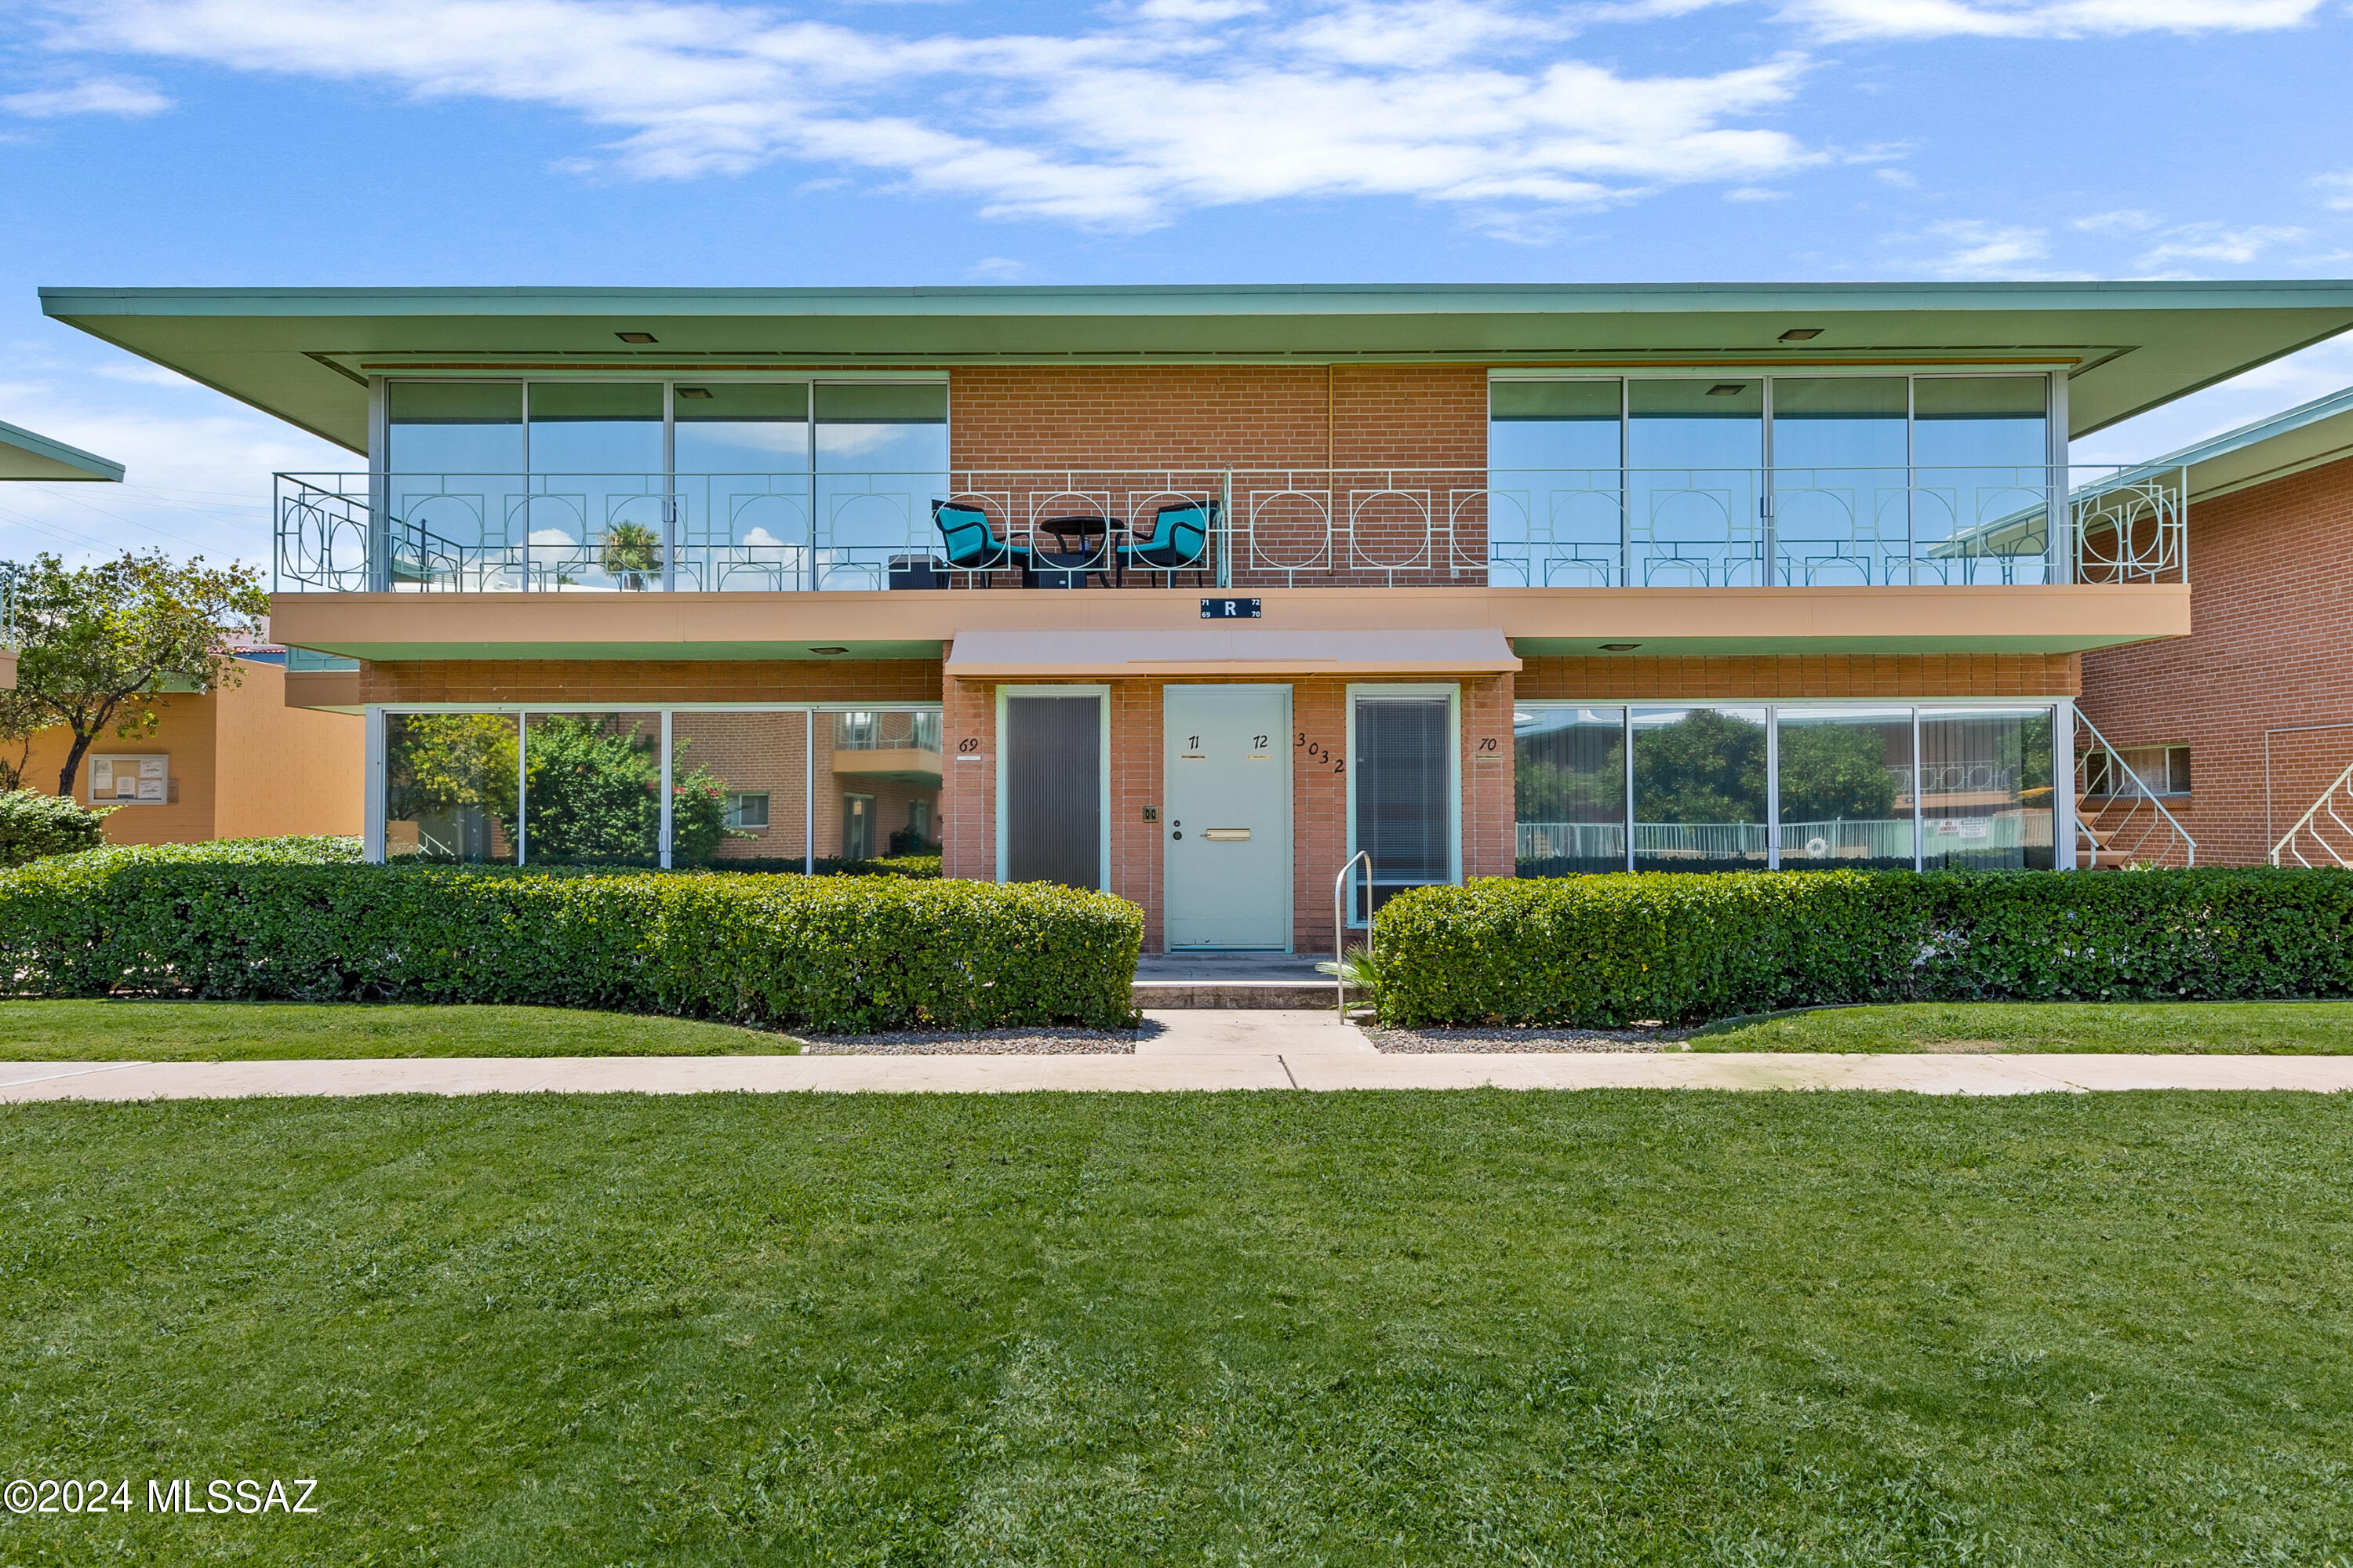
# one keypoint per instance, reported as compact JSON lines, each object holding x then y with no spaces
{"x":1316,"y":751}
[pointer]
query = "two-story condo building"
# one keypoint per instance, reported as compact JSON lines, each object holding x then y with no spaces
{"x":1195,"y":594}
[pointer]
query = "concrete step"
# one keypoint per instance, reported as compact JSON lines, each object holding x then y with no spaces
{"x":1265,"y":995}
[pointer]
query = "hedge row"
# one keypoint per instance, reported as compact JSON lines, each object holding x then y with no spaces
{"x":846,"y":954}
{"x":1599,"y":951}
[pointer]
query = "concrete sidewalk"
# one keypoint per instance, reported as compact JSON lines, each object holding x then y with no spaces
{"x":1190,"y":1050}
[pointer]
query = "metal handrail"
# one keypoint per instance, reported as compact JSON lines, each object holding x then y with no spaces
{"x":1615,"y":527}
{"x":2287,"y":840}
{"x":2139,"y":791}
{"x":1340,"y":929}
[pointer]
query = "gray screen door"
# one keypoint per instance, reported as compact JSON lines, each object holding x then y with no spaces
{"x":1053,"y":790}
{"x":1403,"y":808}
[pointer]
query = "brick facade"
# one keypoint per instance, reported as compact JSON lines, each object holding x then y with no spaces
{"x":1391,"y":447}
{"x":2262,"y":689}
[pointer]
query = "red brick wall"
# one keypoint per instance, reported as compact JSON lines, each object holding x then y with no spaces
{"x":1309,"y":429}
{"x":1896,"y":676}
{"x":626,"y":681}
{"x":2269,"y":584}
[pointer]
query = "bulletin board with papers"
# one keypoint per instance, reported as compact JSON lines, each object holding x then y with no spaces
{"x":129,"y":781}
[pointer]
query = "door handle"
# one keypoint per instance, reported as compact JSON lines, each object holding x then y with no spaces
{"x":1225,"y":835}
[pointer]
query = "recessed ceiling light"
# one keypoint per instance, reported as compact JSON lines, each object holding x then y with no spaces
{"x":1727,"y":390}
{"x":1620,"y":647}
{"x":635,"y":336}
{"x":1801,"y":334}
{"x":694,"y":392}
{"x":828,"y":650}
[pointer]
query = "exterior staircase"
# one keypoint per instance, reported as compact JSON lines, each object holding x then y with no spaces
{"x":2126,"y":825}
{"x":2322,"y":836}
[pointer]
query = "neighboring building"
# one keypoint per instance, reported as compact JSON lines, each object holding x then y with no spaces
{"x":1466,"y":579}
{"x":24,"y":455}
{"x":2239,"y":728}
{"x":232,"y":763}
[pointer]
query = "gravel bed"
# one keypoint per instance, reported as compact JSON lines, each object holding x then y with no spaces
{"x":1493,"y":1042}
{"x":979,"y":1042}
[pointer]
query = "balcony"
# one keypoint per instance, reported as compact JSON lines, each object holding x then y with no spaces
{"x":1602,"y":529}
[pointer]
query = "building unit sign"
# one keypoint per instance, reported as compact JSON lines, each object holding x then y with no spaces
{"x":129,"y":781}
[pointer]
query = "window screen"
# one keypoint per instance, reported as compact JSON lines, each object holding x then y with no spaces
{"x":1053,"y":790}
{"x":1400,"y":796}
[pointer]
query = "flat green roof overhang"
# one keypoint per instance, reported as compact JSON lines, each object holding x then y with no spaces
{"x":305,"y":355}
{"x":27,"y":455}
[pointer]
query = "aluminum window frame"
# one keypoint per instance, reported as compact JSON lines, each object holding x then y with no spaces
{"x":377,"y":717}
{"x":2062,"y":767}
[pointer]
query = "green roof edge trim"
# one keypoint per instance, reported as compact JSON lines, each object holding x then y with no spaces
{"x":33,"y":444}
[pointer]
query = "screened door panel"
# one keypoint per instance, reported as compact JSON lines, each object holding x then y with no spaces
{"x":1402,"y":795}
{"x":1053,"y":790}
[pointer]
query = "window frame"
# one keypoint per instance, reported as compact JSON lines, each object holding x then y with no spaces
{"x":1452,"y":691}
{"x":1101,"y":692}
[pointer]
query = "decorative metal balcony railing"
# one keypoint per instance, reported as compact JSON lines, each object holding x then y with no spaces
{"x":1556,"y":528}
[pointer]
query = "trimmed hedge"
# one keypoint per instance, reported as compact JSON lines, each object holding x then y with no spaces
{"x":34,"y":825}
{"x":1603,"y":951}
{"x":844,"y":954}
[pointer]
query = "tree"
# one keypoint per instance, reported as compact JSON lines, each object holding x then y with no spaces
{"x":1706,"y":767}
{"x":99,"y":646}
{"x":1835,"y":772}
{"x":21,"y":718}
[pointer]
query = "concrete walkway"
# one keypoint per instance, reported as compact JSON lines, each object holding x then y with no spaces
{"x":1191,"y":1050}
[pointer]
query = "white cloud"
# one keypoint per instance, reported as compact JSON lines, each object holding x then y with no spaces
{"x":2336,"y":191}
{"x":2122,"y":221}
{"x":1901,"y":179}
{"x":97,"y":95}
{"x":1755,"y":193}
{"x":2042,"y":19}
{"x":1988,"y":249}
{"x":2215,"y":242}
{"x":999,"y":270}
{"x":1186,"y":104}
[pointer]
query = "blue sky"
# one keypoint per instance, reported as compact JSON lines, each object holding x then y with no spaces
{"x":495,"y":142}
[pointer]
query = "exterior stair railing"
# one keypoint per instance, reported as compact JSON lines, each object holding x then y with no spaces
{"x":2332,"y":836}
{"x":2129,"y":825}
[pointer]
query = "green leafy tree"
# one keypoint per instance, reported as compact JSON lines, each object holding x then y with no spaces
{"x":1706,"y":767}
{"x":442,"y":765}
{"x":99,"y":646}
{"x":21,"y":718}
{"x":1834,"y":772}
{"x":592,"y":785}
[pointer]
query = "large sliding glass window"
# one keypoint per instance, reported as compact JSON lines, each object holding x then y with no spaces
{"x":1980,"y":452}
{"x":1845,"y":777}
{"x":1695,"y":453}
{"x":1700,"y":790}
{"x":594,"y":517}
{"x":1862,"y":479}
{"x":454,"y":478}
{"x":746,"y":788}
{"x":1555,"y":501}
{"x":1803,"y":787}
{"x":1840,"y":485}
{"x":709,"y":484}
{"x":1986,"y":789}
{"x":881,"y":458}
{"x":741,"y":452}
{"x":1569,"y":776}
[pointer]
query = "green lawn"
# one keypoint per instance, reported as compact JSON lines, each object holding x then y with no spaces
{"x":1478,"y":1328}
{"x":285,"y":1031}
{"x":2257,"y":1028}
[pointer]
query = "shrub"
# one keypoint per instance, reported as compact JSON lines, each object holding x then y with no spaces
{"x":33,"y":825}
{"x":1599,"y":951}
{"x":289,"y":849}
{"x":827,"y":953}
